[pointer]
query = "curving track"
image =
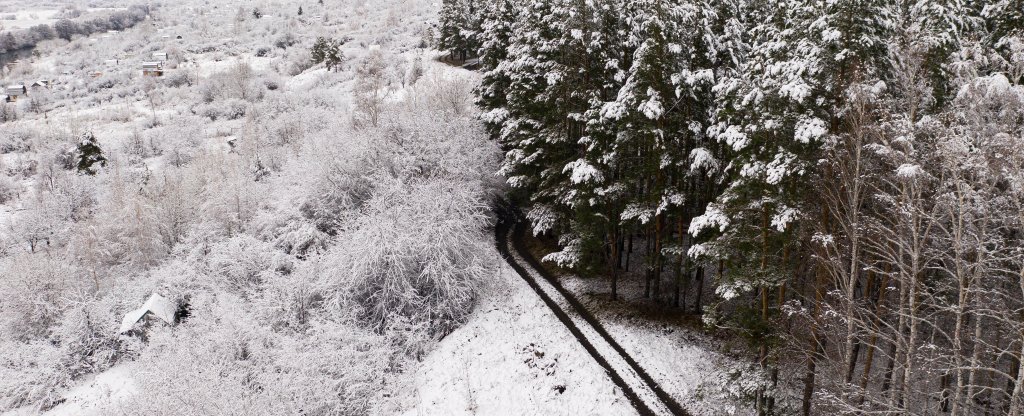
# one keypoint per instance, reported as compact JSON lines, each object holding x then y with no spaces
{"x":645,"y":394}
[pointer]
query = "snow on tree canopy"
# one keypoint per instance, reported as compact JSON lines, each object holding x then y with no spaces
{"x":734,"y":137}
{"x":652,"y":108}
{"x":909,"y":171}
{"x":582,"y":171}
{"x":809,"y":129}
{"x":713,"y":217}
{"x":702,"y":159}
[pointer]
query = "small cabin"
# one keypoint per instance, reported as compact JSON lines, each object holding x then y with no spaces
{"x":160,"y":56}
{"x":156,"y":308}
{"x":15,"y":91}
{"x":153,"y":69}
{"x":43,"y":83}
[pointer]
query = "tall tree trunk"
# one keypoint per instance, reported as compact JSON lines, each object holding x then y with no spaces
{"x":763,"y":354}
{"x":699,"y":290}
{"x":817,"y":345}
{"x":649,"y":266}
{"x":679,"y":300}
{"x":1013,"y":387}
{"x":659,"y":231}
{"x":972,"y":374}
{"x":613,"y":262}
{"x":629,"y":252}
{"x":872,"y":344}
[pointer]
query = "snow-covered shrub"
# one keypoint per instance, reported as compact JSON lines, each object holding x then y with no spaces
{"x":88,"y":337}
{"x":290,"y":302}
{"x":33,"y":294}
{"x":244,"y":262}
{"x":178,"y":79}
{"x":8,"y":112}
{"x":16,"y":139}
{"x":9,"y":189}
{"x":178,"y":139}
{"x":285,"y":41}
{"x":224,"y":361}
{"x":420,"y":252}
{"x":290,"y":231}
{"x":29,"y":376}
{"x":373,"y":86}
{"x":297,"y":62}
{"x":336,"y":184}
{"x":55,"y":330}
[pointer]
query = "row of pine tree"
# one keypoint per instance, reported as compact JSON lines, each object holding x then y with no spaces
{"x":845,"y":176}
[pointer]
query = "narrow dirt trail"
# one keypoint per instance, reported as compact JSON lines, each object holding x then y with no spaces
{"x":645,"y":394}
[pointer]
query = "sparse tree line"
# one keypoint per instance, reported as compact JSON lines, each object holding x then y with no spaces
{"x":66,"y":28}
{"x":845,"y":177}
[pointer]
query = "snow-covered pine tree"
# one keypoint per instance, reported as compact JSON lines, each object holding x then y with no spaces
{"x":775,"y":115}
{"x":90,"y":155}
{"x":460,"y":28}
{"x":497,"y":20}
{"x":537,"y":133}
{"x":657,"y":116}
{"x":597,"y":194}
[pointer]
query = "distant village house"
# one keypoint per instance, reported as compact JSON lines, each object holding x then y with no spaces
{"x":153,"y":69}
{"x":15,"y":91}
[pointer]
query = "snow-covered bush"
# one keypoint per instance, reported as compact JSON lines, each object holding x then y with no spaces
{"x":56,"y":330}
{"x":243,"y":262}
{"x":28,"y":376}
{"x":9,"y":189}
{"x":178,"y":79}
{"x":87,"y":335}
{"x":32,"y":295}
{"x":334,"y":182}
{"x":16,"y":139}
{"x":420,"y":252}
{"x":224,"y":361}
{"x":229,"y":109}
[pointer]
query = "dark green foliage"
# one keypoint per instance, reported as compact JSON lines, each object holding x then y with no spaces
{"x":460,"y":27}
{"x":90,"y":156}
{"x":327,"y":51}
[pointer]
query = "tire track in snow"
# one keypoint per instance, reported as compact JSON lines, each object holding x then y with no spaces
{"x":644,"y":393}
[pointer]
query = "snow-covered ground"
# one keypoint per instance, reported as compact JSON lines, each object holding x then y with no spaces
{"x":689,"y":365}
{"x":93,"y":396}
{"x":514,"y":358}
{"x":682,"y":360}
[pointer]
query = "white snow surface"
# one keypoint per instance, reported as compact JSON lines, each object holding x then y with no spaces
{"x":512,"y":358}
{"x":92,"y":397}
{"x":681,"y":360}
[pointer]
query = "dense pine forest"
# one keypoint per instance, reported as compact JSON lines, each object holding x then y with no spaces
{"x":845,"y":178}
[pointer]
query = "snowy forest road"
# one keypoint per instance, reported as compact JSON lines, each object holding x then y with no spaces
{"x":645,"y":394}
